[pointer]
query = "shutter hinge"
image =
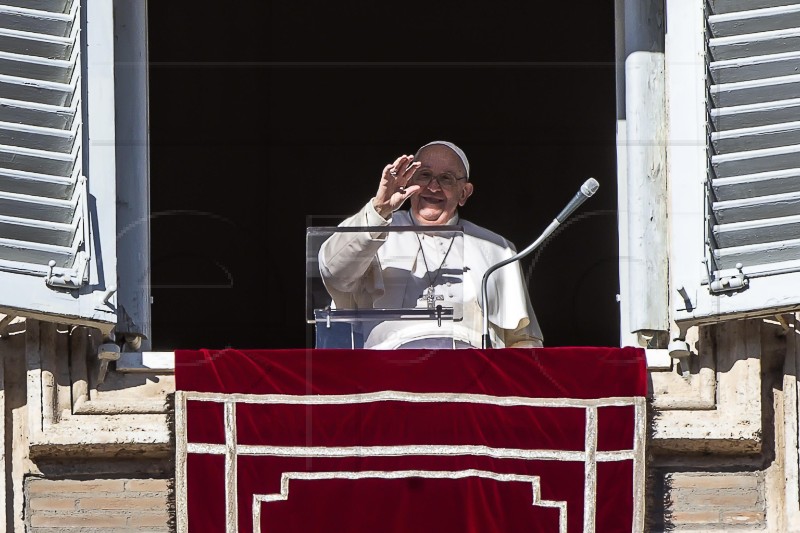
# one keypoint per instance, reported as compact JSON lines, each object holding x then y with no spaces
{"x":77,"y":277}
{"x":730,"y":280}
{"x":74,"y":279}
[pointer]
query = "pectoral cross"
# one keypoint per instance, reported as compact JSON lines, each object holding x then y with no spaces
{"x":431,"y":297}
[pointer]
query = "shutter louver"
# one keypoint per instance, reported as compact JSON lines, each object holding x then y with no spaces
{"x":58,"y":254}
{"x":43,"y":196}
{"x":753,"y":54}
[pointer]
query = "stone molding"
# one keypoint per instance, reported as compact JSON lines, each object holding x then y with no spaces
{"x":717,"y":407}
{"x":66,"y":410}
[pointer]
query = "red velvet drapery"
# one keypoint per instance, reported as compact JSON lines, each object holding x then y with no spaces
{"x":424,"y":441}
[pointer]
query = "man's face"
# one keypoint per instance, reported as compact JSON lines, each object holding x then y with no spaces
{"x":436,"y":204}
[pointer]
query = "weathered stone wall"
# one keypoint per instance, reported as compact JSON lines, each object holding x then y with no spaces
{"x":87,"y":456}
{"x":118,"y":505}
{"x":722,"y":452}
{"x":713,"y":500}
{"x":85,"y":450}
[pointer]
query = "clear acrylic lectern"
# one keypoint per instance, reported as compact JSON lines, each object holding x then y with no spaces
{"x":383,"y":287}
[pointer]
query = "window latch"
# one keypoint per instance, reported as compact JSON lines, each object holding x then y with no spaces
{"x":730,"y":280}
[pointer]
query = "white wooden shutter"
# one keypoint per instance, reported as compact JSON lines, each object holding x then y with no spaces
{"x":751,"y":212}
{"x":55,"y":193}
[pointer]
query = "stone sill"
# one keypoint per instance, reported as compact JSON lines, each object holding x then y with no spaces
{"x":110,"y":435}
{"x":146,"y":362}
{"x":164,"y":362}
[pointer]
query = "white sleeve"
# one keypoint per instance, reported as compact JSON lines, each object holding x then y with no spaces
{"x":510,"y":308}
{"x":347,"y":260}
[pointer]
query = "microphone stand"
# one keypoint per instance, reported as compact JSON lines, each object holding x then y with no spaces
{"x":588,"y":188}
{"x":485,"y":342}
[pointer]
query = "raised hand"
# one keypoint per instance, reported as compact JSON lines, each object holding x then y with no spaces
{"x":394,"y":189}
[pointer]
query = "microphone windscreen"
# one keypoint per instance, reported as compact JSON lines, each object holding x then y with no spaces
{"x":590,"y":187}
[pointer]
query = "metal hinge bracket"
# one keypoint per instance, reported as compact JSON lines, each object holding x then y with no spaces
{"x":730,"y":280}
{"x":77,"y":276}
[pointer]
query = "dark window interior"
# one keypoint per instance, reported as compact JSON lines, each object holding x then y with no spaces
{"x":270,"y":116}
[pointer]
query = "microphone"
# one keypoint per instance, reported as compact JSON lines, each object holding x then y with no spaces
{"x":588,"y":188}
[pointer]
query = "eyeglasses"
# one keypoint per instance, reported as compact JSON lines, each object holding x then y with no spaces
{"x":445,"y":181}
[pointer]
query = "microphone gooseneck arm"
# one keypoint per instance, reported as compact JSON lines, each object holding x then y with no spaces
{"x":588,"y":188}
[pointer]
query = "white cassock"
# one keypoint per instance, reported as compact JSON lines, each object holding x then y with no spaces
{"x":388,"y":270}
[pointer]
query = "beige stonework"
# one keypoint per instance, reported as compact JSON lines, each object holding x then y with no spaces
{"x":723,"y":443}
{"x":114,"y":505}
{"x":88,"y":456}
